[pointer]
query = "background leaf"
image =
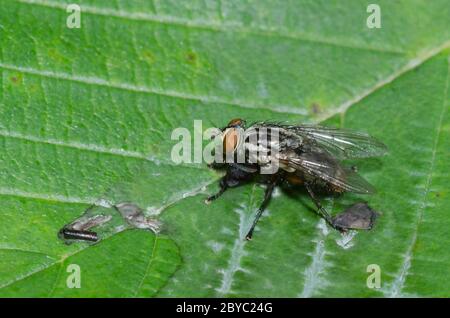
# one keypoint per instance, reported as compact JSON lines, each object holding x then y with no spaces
{"x":81,"y":110}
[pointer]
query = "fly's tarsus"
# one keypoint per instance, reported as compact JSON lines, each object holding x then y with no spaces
{"x":213,"y":197}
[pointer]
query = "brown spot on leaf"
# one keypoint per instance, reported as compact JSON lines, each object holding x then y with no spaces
{"x":148,"y":57}
{"x":191,"y":58}
{"x":16,"y":79}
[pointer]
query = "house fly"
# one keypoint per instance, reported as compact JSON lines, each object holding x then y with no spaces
{"x":299,"y":155}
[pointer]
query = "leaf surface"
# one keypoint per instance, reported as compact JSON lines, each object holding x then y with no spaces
{"x":81,"y":110}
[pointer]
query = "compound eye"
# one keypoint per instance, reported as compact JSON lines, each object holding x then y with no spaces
{"x":230,"y":140}
{"x":237,"y":122}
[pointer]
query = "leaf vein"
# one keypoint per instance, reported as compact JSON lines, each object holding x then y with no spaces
{"x":411,"y":65}
{"x":149,"y":264}
{"x":210,"y":99}
{"x":90,"y":147}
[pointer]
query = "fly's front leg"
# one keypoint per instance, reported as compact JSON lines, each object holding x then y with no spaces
{"x":223,"y":188}
{"x":234,"y":177}
{"x":321,"y":210}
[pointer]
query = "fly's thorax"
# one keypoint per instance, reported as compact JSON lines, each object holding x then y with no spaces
{"x":254,"y":145}
{"x":262,"y":147}
{"x":291,"y":141}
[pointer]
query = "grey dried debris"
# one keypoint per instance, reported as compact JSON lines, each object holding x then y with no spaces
{"x":359,"y":216}
{"x":135,"y":217}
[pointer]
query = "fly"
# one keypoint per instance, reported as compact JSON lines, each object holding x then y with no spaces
{"x":303,"y":155}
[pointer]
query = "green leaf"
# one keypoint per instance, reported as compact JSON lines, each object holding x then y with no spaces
{"x":81,"y":110}
{"x":133,"y":265}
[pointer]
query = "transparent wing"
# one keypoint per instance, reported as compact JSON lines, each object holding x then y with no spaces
{"x":342,"y":143}
{"x":323,"y":166}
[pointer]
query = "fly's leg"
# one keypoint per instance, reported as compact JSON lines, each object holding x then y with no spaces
{"x":321,"y":210}
{"x":223,"y":188}
{"x":234,"y":177}
{"x":262,"y":207}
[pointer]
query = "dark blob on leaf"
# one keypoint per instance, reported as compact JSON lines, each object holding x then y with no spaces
{"x":359,"y":216}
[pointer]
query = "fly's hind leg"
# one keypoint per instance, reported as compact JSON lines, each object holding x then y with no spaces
{"x":321,"y":210}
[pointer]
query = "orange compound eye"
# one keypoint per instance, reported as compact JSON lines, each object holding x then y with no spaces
{"x":230,"y":140}
{"x":237,"y":122}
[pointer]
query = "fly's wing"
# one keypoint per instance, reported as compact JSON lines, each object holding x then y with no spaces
{"x":321,"y":165}
{"x":341,"y":143}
